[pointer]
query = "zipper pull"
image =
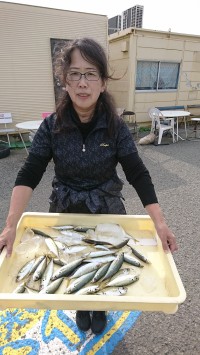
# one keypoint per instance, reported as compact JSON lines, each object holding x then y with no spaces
{"x":83,"y":149}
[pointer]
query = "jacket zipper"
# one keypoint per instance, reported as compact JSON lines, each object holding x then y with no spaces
{"x":83,"y":149}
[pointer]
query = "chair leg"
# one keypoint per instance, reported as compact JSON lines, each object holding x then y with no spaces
{"x":8,"y":140}
{"x":23,"y":142}
{"x":160,"y":136}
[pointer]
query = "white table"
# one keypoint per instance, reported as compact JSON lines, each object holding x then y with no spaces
{"x":28,"y":126}
{"x":177,"y":114}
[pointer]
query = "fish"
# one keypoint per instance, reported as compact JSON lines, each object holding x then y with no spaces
{"x":59,"y":261}
{"x":63,"y":228}
{"x":89,"y":290}
{"x":85,"y":269}
{"x":101,"y":272}
{"x":95,"y":254}
{"x":37,"y":263}
{"x":83,"y":229}
{"x":79,"y":282}
{"x":46,"y":277}
{"x":114,"y":266}
{"x":131,"y":260}
{"x":93,"y":238}
{"x":25,"y":270}
{"x":20,"y":288}
{"x":74,"y":249}
{"x":101,"y":259}
{"x":113,"y":291}
{"x":40,"y":270}
{"x":139,"y":255}
{"x":123,"y":280}
{"x":41,"y":233}
{"x":65,"y":270}
{"x":53,"y":286}
{"x":52,"y":246}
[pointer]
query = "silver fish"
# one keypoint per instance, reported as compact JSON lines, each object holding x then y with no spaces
{"x":40,"y":270}
{"x":114,"y":266}
{"x":65,"y":270}
{"x":83,"y":229}
{"x":131,"y":260}
{"x":46,"y":277}
{"x":58,"y":261}
{"x":113,"y":291}
{"x":139,"y":255}
{"x":74,"y":249}
{"x":85,"y":269}
{"x":96,"y":254}
{"x":101,"y":259}
{"x":37,"y":263}
{"x":52,"y":246}
{"x":101,"y":272}
{"x":53,"y":286}
{"x":20,"y":288}
{"x":123,"y":280}
{"x":41,"y":233}
{"x":63,"y":228}
{"x":79,"y":282}
{"x":89,"y":290}
{"x":25,"y":270}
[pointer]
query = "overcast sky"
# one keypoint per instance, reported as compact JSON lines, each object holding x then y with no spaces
{"x":177,"y":15}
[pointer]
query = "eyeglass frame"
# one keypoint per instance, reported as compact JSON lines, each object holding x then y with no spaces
{"x":83,"y":74}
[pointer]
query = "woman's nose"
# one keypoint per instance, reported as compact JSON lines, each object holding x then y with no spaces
{"x":82,"y":81}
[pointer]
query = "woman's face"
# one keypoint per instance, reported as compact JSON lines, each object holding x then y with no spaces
{"x":83,"y":93}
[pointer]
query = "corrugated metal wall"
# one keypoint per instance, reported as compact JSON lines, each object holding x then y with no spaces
{"x":26,"y":78}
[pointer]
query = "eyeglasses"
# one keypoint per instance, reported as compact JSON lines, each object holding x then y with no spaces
{"x":89,"y":75}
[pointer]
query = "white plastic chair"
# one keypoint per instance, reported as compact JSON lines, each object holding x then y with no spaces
{"x":5,"y":120}
{"x":156,"y":115}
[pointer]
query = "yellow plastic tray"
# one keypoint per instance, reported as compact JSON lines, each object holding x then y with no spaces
{"x":158,"y":289}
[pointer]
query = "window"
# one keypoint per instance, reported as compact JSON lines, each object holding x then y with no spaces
{"x":157,"y":75}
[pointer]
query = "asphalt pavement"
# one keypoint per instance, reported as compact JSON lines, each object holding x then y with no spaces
{"x":175,"y":171}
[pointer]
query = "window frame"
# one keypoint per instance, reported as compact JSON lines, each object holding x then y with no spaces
{"x":159,"y":62}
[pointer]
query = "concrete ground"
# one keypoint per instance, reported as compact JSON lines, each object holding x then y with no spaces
{"x":175,"y":171}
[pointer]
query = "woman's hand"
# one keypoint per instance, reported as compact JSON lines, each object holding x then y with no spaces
{"x":167,"y":237}
{"x":7,"y":239}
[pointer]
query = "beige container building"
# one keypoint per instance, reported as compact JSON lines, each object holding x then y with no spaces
{"x":128,"y":47}
{"x":26,"y":75}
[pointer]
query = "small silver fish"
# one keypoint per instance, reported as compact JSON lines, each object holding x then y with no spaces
{"x":123,"y":280}
{"x":20,"y":288}
{"x":40,"y":270}
{"x":101,"y":272}
{"x":25,"y":270}
{"x":65,"y":270}
{"x":113,"y":291}
{"x":131,"y":260}
{"x":53,"y":286}
{"x":79,"y":282}
{"x":52,"y":246}
{"x":139,"y":255}
{"x":114,"y":266}
{"x":83,"y":229}
{"x":89,"y":290}
{"x":85,"y":269}
{"x":63,"y":228}
{"x":46,"y":277}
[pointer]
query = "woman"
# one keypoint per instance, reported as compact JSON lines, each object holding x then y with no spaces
{"x":86,"y":140}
